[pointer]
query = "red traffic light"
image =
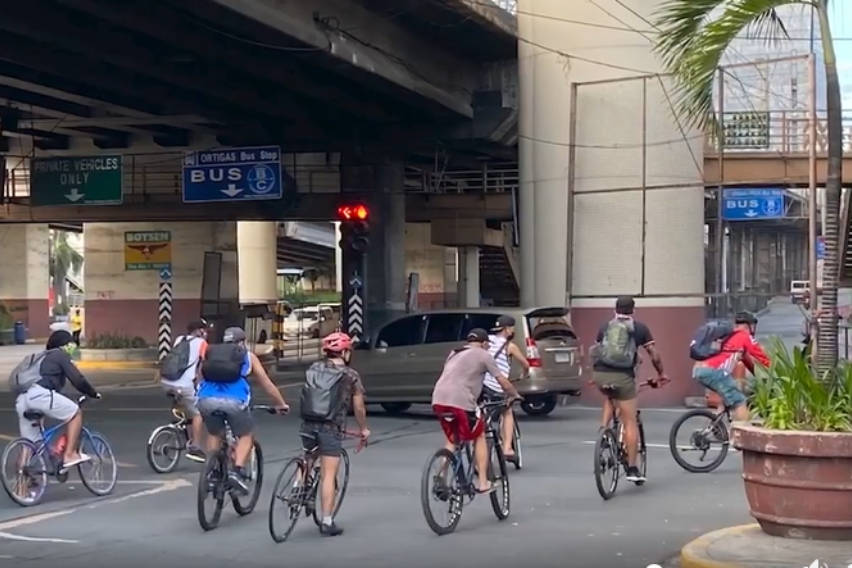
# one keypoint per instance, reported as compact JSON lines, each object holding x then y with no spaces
{"x":357,"y":212}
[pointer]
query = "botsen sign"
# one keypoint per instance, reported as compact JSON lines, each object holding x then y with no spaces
{"x":147,"y":250}
{"x":94,"y":180}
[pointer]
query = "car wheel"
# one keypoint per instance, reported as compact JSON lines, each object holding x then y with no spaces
{"x":396,"y":407}
{"x":541,"y":405}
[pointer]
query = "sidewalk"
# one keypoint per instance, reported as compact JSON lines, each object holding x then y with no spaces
{"x":747,"y":546}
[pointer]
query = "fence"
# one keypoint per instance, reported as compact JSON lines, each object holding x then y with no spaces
{"x":776,"y":131}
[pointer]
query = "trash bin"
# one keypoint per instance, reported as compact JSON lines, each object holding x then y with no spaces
{"x":20,"y":333}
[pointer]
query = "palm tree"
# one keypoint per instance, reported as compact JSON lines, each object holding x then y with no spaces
{"x":693,"y":35}
{"x":64,"y":259}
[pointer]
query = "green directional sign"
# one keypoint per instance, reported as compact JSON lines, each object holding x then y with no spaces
{"x":94,"y":180}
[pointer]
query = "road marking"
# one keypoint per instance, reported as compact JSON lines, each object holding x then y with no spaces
{"x":125,"y":464}
{"x":171,"y":485}
{"x":23,"y":521}
{"x":10,"y":536}
{"x":7,"y":437}
{"x":676,"y":410}
{"x":290,"y":385}
{"x":657,"y":446}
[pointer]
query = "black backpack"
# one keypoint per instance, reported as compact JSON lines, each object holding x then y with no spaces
{"x":709,"y":338}
{"x":176,"y":363}
{"x":224,"y":363}
{"x":324,"y":392}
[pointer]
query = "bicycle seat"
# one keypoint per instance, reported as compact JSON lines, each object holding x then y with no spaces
{"x":174,"y":397}
{"x":33,"y":414}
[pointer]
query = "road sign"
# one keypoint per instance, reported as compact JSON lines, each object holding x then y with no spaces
{"x":355,"y":313}
{"x":233,"y":174}
{"x":95,"y":180}
{"x":164,"y":330}
{"x":753,"y":204}
{"x":820,"y":248}
{"x":165,"y":274}
{"x":147,"y":250}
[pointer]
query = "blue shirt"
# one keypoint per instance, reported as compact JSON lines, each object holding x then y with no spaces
{"x":238,"y":390}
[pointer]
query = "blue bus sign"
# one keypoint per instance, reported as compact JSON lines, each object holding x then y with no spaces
{"x":233,"y":174}
{"x":753,"y":204}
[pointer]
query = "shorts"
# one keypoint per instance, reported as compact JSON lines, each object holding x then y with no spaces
{"x":469,"y":424}
{"x":50,"y":403}
{"x":325,"y":437}
{"x":721,"y":382}
{"x":491,"y":395}
{"x":217,"y":411}
{"x":187,"y":400}
{"x":622,"y":385}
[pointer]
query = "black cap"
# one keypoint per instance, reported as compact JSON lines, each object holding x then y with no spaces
{"x":233,"y":335}
{"x":624,"y":305}
{"x":59,"y":338}
{"x":477,"y":334}
{"x":195,"y":325}
{"x":745,"y":317}
{"x":503,"y":322}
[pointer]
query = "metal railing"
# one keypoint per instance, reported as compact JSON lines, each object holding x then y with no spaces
{"x":495,"y":178}
{"x":778,"y":131}
{"x":510,"y":6}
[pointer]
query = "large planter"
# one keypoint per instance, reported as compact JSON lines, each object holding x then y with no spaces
{"x":798,"y":484}
{"x":141,"y":354}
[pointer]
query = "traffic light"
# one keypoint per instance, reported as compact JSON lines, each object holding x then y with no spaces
{"x":355,"y":226}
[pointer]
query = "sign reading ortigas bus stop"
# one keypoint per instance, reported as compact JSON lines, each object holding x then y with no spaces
{"x":750,"y":204}
{"x":232,"y":174}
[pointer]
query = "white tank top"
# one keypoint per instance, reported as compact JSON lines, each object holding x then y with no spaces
{"x":502,"y":360}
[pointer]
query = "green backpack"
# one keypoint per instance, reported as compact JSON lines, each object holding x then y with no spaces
{"x":618,"y":346}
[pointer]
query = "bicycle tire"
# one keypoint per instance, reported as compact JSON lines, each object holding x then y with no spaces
{"x":212,"y":477}
{"x":40,"y":477}
{"x":286,"y":493}
{"x":500,"y":498}
{"x":642,"y":455}
{"x":606,"y":458}
{"x":153,"y":449}
{"x":102,"y":456}
{"x":518,"y":462}
{"x":722,"y":437}
{"x":344,"y":467}
{"x":453,"y":495}
{"x":244,"y":509}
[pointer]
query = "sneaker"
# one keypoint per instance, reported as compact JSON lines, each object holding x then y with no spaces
{"x":634,"y":475}
{"x":196,"y":454}
{"x":330,"y":530}
{"x":237,"y":483}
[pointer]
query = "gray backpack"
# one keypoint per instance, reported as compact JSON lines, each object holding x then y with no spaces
{"x":618,"y":346}
{"x":324,"y":393}
{"x":176,"y":362}
{"x":27,"y":373}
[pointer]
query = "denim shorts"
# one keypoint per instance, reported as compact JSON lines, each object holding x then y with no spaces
{"x":721,"y":382}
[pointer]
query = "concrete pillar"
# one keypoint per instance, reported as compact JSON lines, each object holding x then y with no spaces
{"x":257,"y":246}
{"x":24,"y":280}
{"x":430,"y":261}
{"x":338,"y":259}
{"x":469,"y":277}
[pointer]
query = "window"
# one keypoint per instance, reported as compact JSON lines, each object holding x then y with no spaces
{"x":444,"y":328}
{"x":484,"y":321}
{"x":406,"y":331}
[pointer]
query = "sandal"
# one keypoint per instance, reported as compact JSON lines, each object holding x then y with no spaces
{"x":491,"y":488}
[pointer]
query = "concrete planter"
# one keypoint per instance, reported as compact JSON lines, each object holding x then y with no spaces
{"x":798,"y":484}
{"x":144,"y":354}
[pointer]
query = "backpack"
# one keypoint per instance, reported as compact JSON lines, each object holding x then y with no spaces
{"x":176,"y":363}
{"x":323,"y":394}
{"x":26,"y":373}
{"x":224,"y":363}
{"x":618,"y":346}
{"x":708,"y":339}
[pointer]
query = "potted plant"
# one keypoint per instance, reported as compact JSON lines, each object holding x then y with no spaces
{"x":797,"y":456}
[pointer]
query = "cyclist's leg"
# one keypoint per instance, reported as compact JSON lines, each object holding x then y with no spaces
{"x":62,"y":409}
{"x":473,"y":428}
{"x":622,"y":394}
{"x":723,"y":383}
{"x":508,"y":432}
{"x":29,"y":429}
{"x":242,"y":426}
{"x":214,"y":421}
{"x":330,"y":443}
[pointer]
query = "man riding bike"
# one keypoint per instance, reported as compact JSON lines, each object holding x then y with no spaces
{"x":332,"y":387}
{"x":616,"y":357}
{"x":456,"y":392}
{"x":503,"y":350}
{"x":44,"y":396}
{"x":716,"y":372}
{"x":224,"y":395}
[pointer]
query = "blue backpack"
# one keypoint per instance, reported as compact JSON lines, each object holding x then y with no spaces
{"x":708,"y":339}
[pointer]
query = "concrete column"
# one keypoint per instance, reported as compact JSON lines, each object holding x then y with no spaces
{"x":338,"y":259}
{"x":429,"y":261}
{"x":257,"y":246}
{"x":469,"y":277}
{"x":25,"y":279}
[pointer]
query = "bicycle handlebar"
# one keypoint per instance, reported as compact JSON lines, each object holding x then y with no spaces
{"x":268,"y":409}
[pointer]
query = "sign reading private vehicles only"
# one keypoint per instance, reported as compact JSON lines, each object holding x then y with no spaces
{"x":93,"y":180}
{"x":232,"y":174}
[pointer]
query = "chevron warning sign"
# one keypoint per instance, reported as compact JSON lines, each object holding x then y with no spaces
{"x":355,"y":323}
{"x":164,"y":330}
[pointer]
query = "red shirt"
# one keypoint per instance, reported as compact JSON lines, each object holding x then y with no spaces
{"x":739,"y":346}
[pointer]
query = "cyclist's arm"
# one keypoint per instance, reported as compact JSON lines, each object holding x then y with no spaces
{"x":360,"y":410}
{"x":515,"y":353}
{"x":265,"y":382}
{"x":491,"y":367}
{"x":656,"y":360}
{"x":755,"y":353}
{"x":73,"y":374}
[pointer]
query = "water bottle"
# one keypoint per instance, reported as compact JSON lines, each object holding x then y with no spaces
{"x":59,"y":446}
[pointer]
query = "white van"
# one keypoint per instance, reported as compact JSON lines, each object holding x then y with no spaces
{"x":799,"y":290}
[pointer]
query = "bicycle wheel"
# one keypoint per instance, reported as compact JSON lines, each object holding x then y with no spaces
{"x":340,"y":485}
{"x":24,"y":472}
{"x":440,"y":494}
{"x":164,"y":448}
{"x":211,"y":483}
{"x":288,"y":498}
{"x":699,"y":440}
{"x":101,"y":472}
{"x":498,"y":475}
{"x":606,"y":464}
{"x":518,"y":461}
{"x":244,"y":504}
{"x":642,"y":455}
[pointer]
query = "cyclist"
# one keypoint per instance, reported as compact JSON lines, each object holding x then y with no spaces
{"x":456,"y":392}
{"x":616,"y":357}
{"x":224,"y":396}
{"x":44,"y":396}
{"x":716,"y":372}
{"x":185,"y":386}
{"x":503,"y":350}
{"x":323,"y":424}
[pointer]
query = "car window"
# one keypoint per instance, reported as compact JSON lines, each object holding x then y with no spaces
{"x":443,"y":328}
{"x":550,"y":328}
{"x":474,"y":320}
{"x":406,"y":331}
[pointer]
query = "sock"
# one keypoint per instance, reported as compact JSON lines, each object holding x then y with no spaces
{"x":327,"y":521}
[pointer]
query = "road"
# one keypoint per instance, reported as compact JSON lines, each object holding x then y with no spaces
{"x":557,"y":517}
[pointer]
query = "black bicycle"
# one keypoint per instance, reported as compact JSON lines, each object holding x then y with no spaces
{"x":213,"y":482}
{"x":167,"y":442}
{"x":449,"y":478}
{"x":704,"y":434}
{"x":495,"y":418}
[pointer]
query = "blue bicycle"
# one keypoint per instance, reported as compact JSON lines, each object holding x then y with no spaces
{"x":26,"y":465}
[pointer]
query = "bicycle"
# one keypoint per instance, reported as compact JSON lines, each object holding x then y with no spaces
{"x":496,"y":419}
{"x":449,"y":477}
{"x":213,"y":479}
{"x":297,"y":488}
{"x":170,"y":440}
{"x":31,"y":463}
{"x":711,"y":431}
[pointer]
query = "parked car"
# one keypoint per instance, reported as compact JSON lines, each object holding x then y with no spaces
{"x":400,"y":364}
{"x":312,"y":321}
{"x":799,"y":290}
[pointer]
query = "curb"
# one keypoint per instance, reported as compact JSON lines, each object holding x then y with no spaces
{"x":114,"y":365}
{"x":693,"y":555}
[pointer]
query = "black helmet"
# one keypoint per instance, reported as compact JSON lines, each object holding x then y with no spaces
{"x":59,"y":338}
{"x":746,"y":317}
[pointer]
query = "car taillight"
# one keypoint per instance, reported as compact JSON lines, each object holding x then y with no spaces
{"x":533,"y":356}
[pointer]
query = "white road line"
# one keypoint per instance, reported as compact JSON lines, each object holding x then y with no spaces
{"x":24,"y":521}
{"x":10,"y":536}
{"x":675,"y":410}
{"x":7,"y":437}
{"x":290,"y":385}
{"x":171,"y":485}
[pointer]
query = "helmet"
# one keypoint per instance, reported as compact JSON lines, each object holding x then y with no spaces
{"x":337,"y":342}
{"x":745,"y":317}
{"x":233,"y":335}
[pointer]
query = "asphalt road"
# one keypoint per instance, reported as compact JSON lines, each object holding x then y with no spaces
{"x":557,"y":517}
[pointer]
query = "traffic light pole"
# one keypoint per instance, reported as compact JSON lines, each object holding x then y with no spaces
{"x":354,"y":300}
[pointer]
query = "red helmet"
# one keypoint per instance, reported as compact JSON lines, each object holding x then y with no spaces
{"x":337,"y":342}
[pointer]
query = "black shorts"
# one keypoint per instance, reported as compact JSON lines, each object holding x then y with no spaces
{"x":489,"y":395}
{"x":325,"y":437}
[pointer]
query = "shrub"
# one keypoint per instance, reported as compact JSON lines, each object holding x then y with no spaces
{"x":115,"y":341}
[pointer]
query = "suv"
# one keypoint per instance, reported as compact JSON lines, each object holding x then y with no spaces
{"x":400,"y":365}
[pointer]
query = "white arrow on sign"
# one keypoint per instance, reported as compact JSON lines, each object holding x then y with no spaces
{"x":75,"y":195}
{"x":232,"y":190}
{"x":751,"y":213}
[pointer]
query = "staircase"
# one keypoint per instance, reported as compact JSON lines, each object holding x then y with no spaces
{"x":845,"y":276}
{"x":499,"y":272}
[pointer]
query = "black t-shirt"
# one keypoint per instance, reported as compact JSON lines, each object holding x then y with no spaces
{"x":642,"y":336}
{"x":56,"y":367}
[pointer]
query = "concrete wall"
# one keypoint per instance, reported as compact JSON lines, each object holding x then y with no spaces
{"x":24,"y":280}
{"x":435,"y":265}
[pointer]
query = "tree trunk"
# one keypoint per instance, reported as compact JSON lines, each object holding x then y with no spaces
{"x":827,"y":352}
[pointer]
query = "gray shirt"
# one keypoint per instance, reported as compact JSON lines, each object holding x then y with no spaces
{"x":460,"y":383}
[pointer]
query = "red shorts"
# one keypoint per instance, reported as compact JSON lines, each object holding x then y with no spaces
{"x":467,"y":423}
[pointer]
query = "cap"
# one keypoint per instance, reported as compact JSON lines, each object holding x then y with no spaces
{"x":59,"y":338}
{"x":503,"y":322}
{"x":233,"y":335}
{"x":625,"y":305}
{"x":195,"y":325}
{"x":477,"y":334}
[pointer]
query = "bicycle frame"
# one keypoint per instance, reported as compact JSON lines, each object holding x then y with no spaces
{"x":47,"y":438}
